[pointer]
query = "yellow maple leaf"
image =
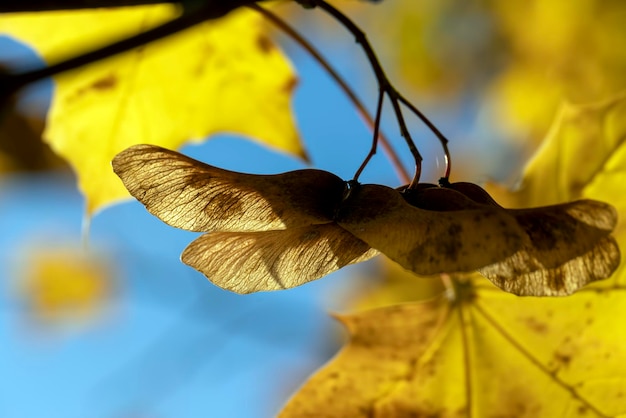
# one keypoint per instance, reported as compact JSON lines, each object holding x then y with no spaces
{"x":394,"y":285}
{"x":582,"y":150}
{"x":485,"y":353}
{"x":545,"y":64}
{"x":223,"y":76}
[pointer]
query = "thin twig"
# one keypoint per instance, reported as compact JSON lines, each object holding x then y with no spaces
{"x":370,"y":154}
{"x":382,"y":79}
{"x":304,"y":43}
{"x":385,"y":84}
{"x":442,"y":139}
{"x":407,"y":136}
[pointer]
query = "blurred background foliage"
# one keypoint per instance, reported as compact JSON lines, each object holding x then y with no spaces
{"x":63,"y":285}
{"x":491,"y":74}
{"x":522,"y":57}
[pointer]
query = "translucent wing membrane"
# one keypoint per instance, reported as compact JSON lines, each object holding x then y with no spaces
{"x":246,"y":262}
{"x":596,"y":264}
{"x":188,"y":194}
{"x":569,"y":246}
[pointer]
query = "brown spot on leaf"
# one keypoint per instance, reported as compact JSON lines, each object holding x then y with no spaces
{"x":264,"y":44}
{"x":517,"y":404}
{"x":290,"y":85}
{"x":105,"y":83}
{"x":562,"y":359}
{"x":536,"y":325}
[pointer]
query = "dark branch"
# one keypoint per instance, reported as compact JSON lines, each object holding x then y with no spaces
{"x":211,"y":9}
{"x":48,"y":5}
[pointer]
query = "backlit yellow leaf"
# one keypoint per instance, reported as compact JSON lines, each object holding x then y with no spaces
{"x":545,"y":64}
{"x":391,"y":284}
{"x":493,"y":354}
{"x":223,"y":76}
{"x":576,"y":151}
{"x":484,"y":354}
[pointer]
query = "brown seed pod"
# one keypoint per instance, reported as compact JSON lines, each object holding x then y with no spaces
{"x":438,"y":199}
{"x":571,"y":245}
{"x":473,"y":192}
{"x":430,"y":241}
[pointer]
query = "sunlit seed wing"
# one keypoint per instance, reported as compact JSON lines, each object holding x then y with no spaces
{"x":430,"y":242}
{"x":559,"y":232}
{"x":597,"y":264}
{"x":188,"y":194}
{"x":569,"y":246}
{"x":246,"y":262}
{"x":563,"y":232}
